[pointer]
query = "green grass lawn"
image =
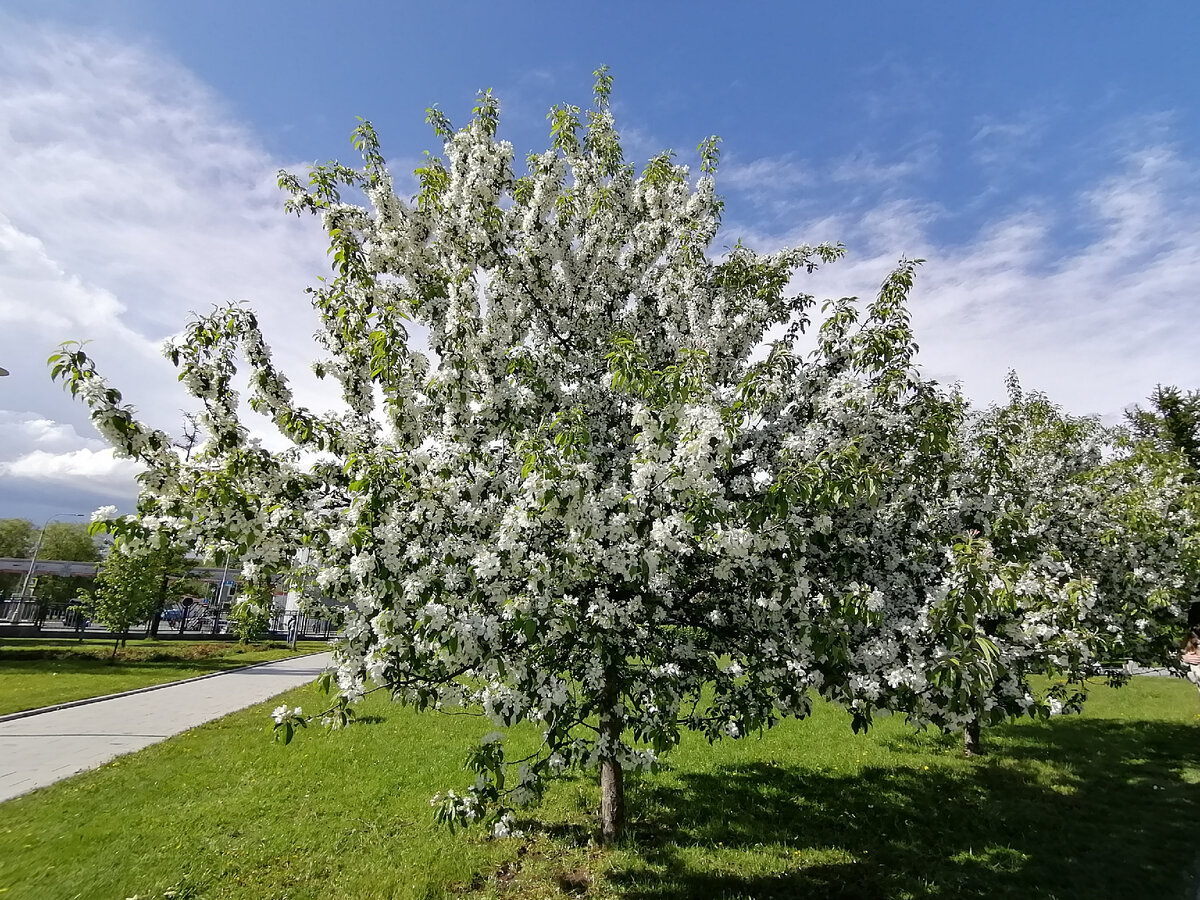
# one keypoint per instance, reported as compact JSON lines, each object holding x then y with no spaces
{"x":1102,"y":805}
{"x":38,"y":672}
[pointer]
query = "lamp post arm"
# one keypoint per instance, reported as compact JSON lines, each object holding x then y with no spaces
{"x":38,"y":546}
{"x":33,"y":562}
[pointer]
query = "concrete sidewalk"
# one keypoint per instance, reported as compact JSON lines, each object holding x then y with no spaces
{"x":41,"y":749}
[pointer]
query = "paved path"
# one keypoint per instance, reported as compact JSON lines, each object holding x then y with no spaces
{"x":41,"y":749}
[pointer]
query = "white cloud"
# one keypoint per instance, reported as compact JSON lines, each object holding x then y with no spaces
{"x":44,"y":457}
{"x":99,"y":470}
{"x":778,"y":186}
{"x":132,"y":196}
{"x":1001,"y":144}
{"x":1095,"y":320}
{"x":24,"y":431}
{"x":891,"y":89}
{"x":131,"y":199}
{"x":765,"y":175}
{"x":866,"y":167}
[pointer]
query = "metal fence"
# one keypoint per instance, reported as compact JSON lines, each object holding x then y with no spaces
{"x":194,"y":620}
{"x":21,"y":610}
{"x":293,"y":626}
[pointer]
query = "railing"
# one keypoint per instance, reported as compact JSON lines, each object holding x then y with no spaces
{"x":293,"y":626}
{"x":16,"y":610}
{"x":196,"y":620}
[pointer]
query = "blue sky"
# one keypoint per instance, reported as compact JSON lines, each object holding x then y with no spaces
{"x":1041,"y":157}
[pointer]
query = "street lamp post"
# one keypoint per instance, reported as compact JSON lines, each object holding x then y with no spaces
{"x":221,"y":594}
{"x":38,"y":546}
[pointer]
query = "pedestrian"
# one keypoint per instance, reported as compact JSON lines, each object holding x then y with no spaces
{"x":1189,"y":657}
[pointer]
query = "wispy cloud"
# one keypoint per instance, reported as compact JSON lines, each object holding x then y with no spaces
{"x":777,"y":186}
{"x":892,"y":89}
{"x":772,"y":184}
{"x":766,"y":174}
{"x":133,"y":196}
{"x":873,"y":168}
{"x":1096,"y":320}
{"x":999,"y":144}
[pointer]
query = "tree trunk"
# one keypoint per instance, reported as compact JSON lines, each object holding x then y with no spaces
{"x":612,"y":801}
{"x":158,"y":610}
{"x":972,"y":739}
{"x":612,"y":778}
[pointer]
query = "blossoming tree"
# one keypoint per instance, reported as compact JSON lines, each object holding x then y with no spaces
{"x":585,"y":475}
{"x":1062,"y":553}
{"x":131,"y":588}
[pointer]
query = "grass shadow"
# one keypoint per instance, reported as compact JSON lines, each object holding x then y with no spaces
{"x":79,"y":666}
{"x":1073,"y":808}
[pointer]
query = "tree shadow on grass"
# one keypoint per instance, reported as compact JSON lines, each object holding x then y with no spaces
{"x":1073,"y":808}
{"x":103,"y":666}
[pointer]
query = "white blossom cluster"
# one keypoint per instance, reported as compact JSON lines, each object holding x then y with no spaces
{"x":595,"y":506}
{"x":281,"y":713}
